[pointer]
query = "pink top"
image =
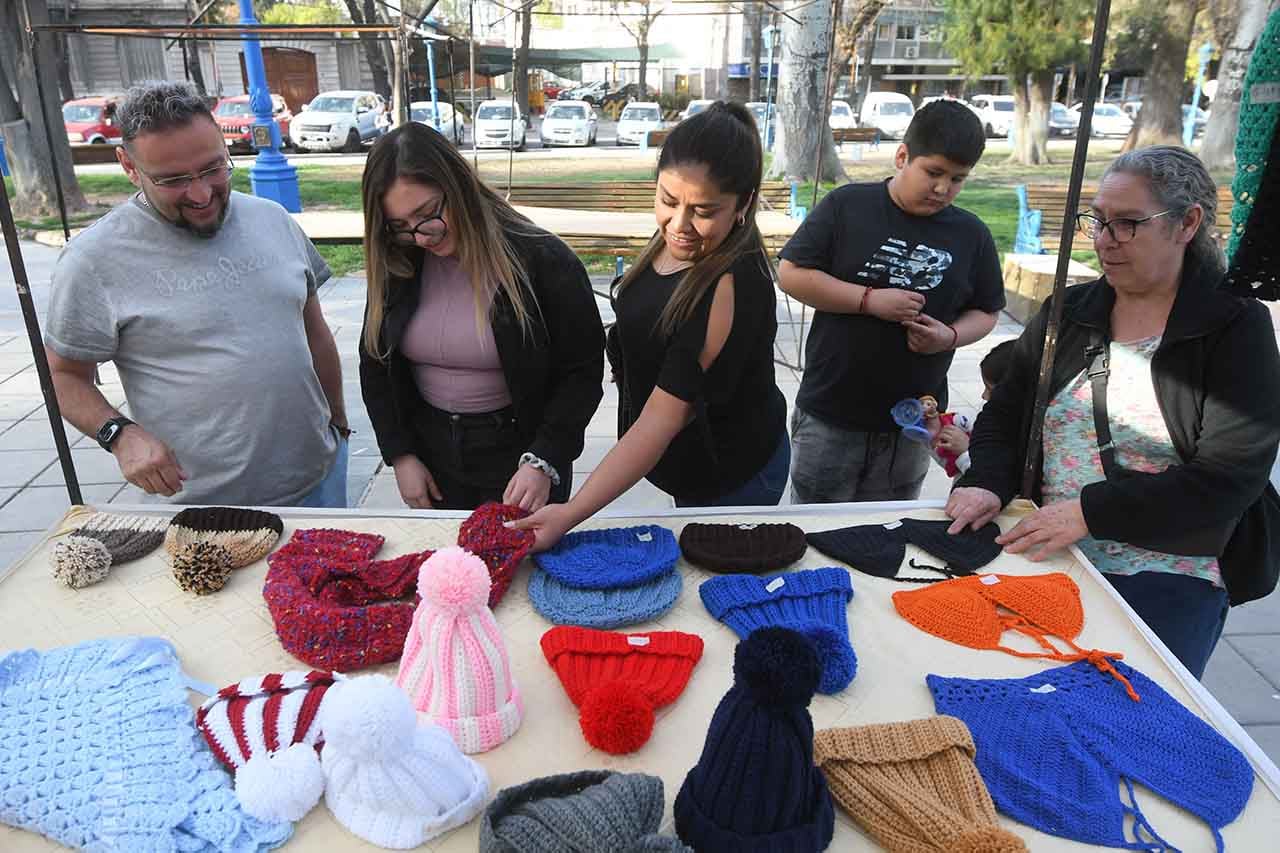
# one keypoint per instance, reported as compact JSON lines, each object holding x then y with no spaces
{"x":455,"y":365}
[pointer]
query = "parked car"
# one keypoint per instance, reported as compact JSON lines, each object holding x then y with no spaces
{"x":235,"y":119}
{"x":441,"y":118}
{"x":551,"y":91}
{"x":891,"y":112}
{"x":694,"y":108}
{"x":842,"y":117}
{"x":334,"y":121}
{"x":1132,"y":108}
{"x":92,"y":120}
{"x":569,"y":123}
{"x":996,"y":113}
{"x":1062,"y":122}
{"x":627,"y":94}
{"x":1108,"y":120}
{"x":592,"y":93}
{"x":496,"y":126}
{"x":636,"y":120}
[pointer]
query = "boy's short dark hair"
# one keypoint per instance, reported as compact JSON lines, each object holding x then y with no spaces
{"x":948,"y":128}
{"x":996,"y":364}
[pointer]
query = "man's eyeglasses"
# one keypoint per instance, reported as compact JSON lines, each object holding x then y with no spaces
{"x":214,"y":176}
{"x":1122,"y":229}
{"x":432,"y":229}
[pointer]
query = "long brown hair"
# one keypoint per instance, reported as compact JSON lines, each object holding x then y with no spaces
{"x":481,"y":222}
{"x":724,"y":139}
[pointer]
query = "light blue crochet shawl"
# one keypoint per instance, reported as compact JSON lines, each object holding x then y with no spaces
{"x":99,"y":751}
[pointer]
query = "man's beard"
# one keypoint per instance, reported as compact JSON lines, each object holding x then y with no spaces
{"x":182,"y":222}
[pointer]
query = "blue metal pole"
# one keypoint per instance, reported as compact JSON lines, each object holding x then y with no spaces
{"x":431,"y":72}
{"x":771,"y":35}
{"x":271,"y":175}
{"x":1189,"y":123}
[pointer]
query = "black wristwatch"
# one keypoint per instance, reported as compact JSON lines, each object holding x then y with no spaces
{"x":110,"y":431}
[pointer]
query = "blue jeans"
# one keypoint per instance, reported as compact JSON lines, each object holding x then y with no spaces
{"x":332,"y":490}
{"x":765,"y":488}
{"x":1185,"y":612}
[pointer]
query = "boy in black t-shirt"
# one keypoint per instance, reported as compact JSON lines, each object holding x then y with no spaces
{"x":899,"y":279}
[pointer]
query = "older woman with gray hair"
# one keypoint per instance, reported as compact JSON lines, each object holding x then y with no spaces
{"x":1163,"y":418}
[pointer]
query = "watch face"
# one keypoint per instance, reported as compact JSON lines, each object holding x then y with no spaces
{"x":108,"y":432}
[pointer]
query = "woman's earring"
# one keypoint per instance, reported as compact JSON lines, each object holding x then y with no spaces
{"x":742,"y":219}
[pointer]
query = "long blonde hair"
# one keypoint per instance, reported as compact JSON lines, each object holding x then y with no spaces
{"x":723,"y":138}
{"x":480,"y":220}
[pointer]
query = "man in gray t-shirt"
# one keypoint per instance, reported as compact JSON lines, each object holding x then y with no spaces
{"x":205,"y":299}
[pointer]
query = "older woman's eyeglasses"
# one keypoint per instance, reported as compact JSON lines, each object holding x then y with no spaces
{"x":1122,"y":228}
{"x":432,"y":229}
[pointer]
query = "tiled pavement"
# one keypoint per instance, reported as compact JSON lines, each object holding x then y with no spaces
{"x":1244,"y":673}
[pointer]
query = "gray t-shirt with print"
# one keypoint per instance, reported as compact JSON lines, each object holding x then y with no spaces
{"x":209,"y":341}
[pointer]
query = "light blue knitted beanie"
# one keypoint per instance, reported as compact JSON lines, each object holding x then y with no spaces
{"x":99,"y":750}
{"x":603,"y":608}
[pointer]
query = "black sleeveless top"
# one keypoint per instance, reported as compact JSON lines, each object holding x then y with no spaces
{"x":739,"y":412}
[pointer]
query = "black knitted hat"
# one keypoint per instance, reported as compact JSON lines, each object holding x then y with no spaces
{"x":870,"y":548}
{"x":753,"y":548}
{"x":962,"y":553}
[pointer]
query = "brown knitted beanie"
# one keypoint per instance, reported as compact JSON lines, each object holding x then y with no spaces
{"x":248,"y":535}
{"x":913,"y":786}
{"x":753,"y":548}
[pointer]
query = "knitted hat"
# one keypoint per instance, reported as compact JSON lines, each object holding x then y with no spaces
{"x":1052,"y":747}
{"x":320,"y":631}
{"x":603,"y":608}
{"x":812,"y":602}
{"x":100,"y":540}
{"x":964,"y":552}
{"x":875,"y":549}
{"x":619,"y":680}
{"x":612,"y":558}
{"x":98,"y":751}
{"x":755,"y":789}
{"x":750,"y":548}
{"x":592,"y":811}
{"x":485,"y":535}
{"x":264,"y":731}
{"x":913,"y":786}
{"x":247,"y":534}
{"x":388,"y":779}
{"x":455,"y":667}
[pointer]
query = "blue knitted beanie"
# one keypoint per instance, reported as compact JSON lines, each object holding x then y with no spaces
{"x":99,"y":750}
{"x":812,"y":602}
{"x":1053,"y":749}
{"x":755,"y":788}
{"x":612,"y":558}
{"x":603,"y":608}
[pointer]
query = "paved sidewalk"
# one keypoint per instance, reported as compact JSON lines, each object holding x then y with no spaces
{"x":1244,"y":673}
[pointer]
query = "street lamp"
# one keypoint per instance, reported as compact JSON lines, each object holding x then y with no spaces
{"x":271,"y":175}
{"x":1189,"y":123}
{"x":771,"y":34}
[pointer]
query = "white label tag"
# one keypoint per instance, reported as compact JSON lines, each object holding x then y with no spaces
{"x":1265,"y":93}
{"x":990,"y":580}
{"x":893,"y":525}
{"x":638,"y":641}
{"x":748,"y":526}
{"x":645,"y":537}
{"x":774,"y":585}
{"x":1044,"y":688}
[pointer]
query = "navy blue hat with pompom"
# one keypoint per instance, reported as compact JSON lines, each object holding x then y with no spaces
{"x":755,"y":788}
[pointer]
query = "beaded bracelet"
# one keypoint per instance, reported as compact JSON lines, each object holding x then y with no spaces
{"x":542,"y":465}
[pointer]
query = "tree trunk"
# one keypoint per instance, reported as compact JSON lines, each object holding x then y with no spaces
{"x":1218,"y":150}
{"x":1159,"y":121}
{"x":192,"y":56}
{"x":1040,"y":90}
{"x":399,"y":89}
{"x":521,"y":70}
{"x":31,"y":162}
{"x":755,"y":34}
{"x":643,"y":44}
{"x":802,"y":101}
{"x":371,"y":43}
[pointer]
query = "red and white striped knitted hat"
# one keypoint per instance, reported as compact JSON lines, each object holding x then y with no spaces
{"x":264,"y":731}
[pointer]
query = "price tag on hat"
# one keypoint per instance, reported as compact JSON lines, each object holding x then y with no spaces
{"x":774,"y":585}
{"x":637,"y":641}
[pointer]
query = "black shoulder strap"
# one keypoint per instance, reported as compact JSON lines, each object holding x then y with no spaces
{"x":1099,"y":356}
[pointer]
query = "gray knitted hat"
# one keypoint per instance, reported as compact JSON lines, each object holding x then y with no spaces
{"x":100,"y":540}
{"x":592,"y":811}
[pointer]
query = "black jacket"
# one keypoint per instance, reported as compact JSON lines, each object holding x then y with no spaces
{"x":1217,"y":381}
{"x":554,"y":374}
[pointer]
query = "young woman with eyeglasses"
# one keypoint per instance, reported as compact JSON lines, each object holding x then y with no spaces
{"x":482,"y":352}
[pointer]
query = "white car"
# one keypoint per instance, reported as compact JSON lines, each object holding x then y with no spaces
{"x":335,"y":121}
{"x":996,"y":113}
{"x":497,"y":126}
{"x":889,"y":112}
{"x":637,"y":119}
{"x":441,"y":118}
{"x":568,"y":123}
{"x":842,"y":117}
{"x":1108,"y":120}
{"x":694,"y":108}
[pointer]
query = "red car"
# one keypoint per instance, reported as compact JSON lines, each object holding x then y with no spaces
{"x":551,"y":91}
{"x":235,"y":119}
{"x":91,"y":120}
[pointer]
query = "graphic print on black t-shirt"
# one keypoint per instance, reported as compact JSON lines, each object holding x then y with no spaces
{"x":917,"y":268}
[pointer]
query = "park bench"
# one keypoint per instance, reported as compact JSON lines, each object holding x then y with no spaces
{"x":631,"y":196}
{"x":856,"y":134}
{"x":86,"y":155}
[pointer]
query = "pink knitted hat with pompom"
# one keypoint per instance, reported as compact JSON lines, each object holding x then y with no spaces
{"x":455,"y":666}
